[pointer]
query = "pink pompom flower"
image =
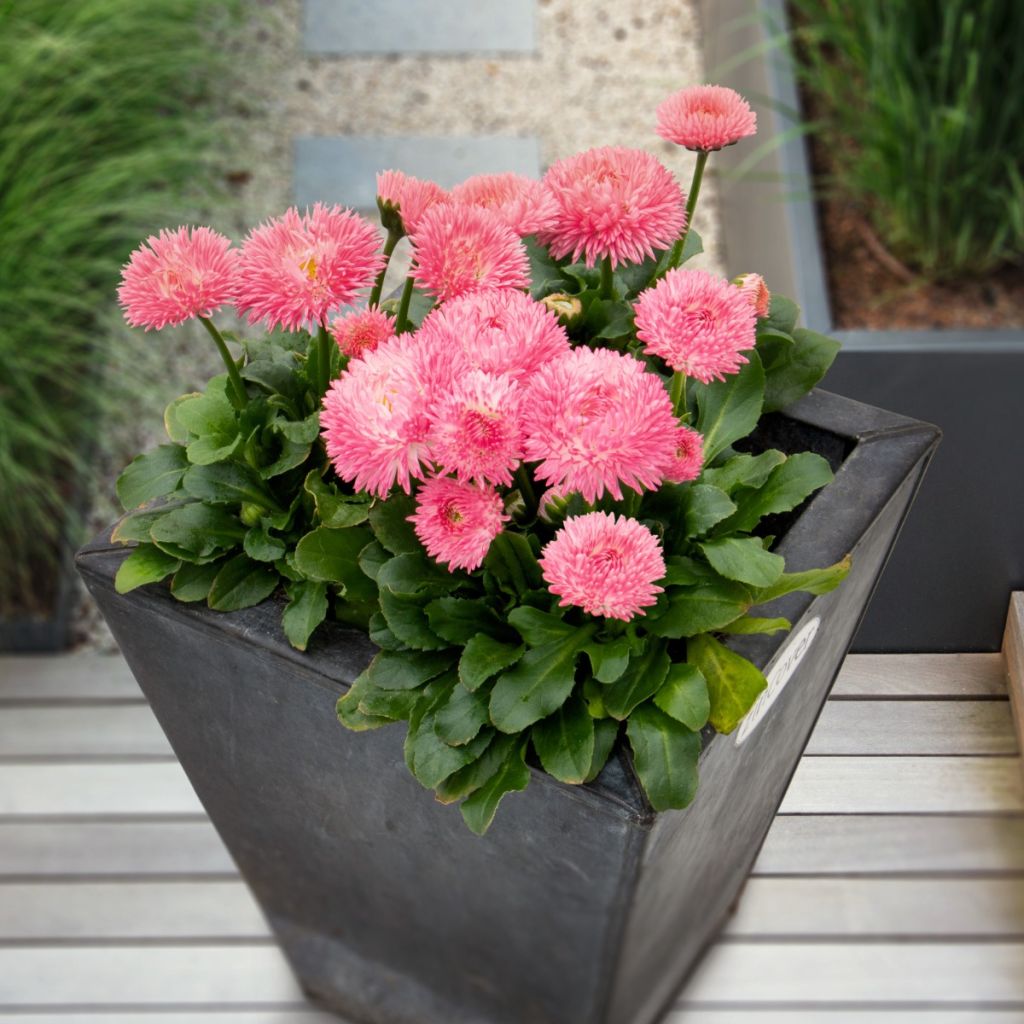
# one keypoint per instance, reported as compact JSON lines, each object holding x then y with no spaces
{"x":689,"y":456}
{"x":596,"y":420}
{"x":298,"y":268}
{"x":462,"y":249}
{"x":499,"y":331}
{"x":362,"y":330}
{"x":705,"y":118}
{"x":614,"y":202}
{"x":522,"y":203}
{"x":177,"y":275}
{"x":697,"y":322}
{"x":607,"y":565}
{"x":477,"y":433}
{"x":407,"y":196}
{"x":457,"y":521}
{"x":756,"y":291}
{"x":375,"y":417}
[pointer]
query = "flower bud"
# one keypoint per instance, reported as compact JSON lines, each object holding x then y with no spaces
{"x":251,"y":513}
{"x":567,"y":308}
{"x":753,"y":286}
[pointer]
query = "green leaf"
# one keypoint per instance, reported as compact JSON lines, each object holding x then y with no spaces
{"x":146,"y":564}
{"x":407,"y":670}
{"x":684,"y":696}
{"x":686,"y":572}
{"x":261,"y":547}
{"x":793,"y":364}
{"x":538,"y":628}
{"x":511,"y":560}
{"x":743,"y":471}
{"x":743,"y":559}
{"x":814,"y":581}
{"x":427,"y":756}
{"x":479,"y":808}
{"x":609,"y":660}
{"x":606,"y":731}
{"x":381,"y":634}
{"x":226,"y":483}
{"x":135,"y":527}
{"x":643,"y":678}
{"x":483,"y":657}
{"x":415,"y":575}
{"x":208,"y":414}
{"x":204,"y":451}
{"x":749,"y":625}
{"x":152,"y":475}
{"x":730,"y":409}
{"x":545,"y":273}
{"x":665,"y":755}
{"x":733,"y":682}
{"x":470,"y":778}
{"x":460,"y":619}
{"x":241,"y":583}
{"x":330,"y":556}
{"x":290,"y":456}
{"x":349,"y":713}
{"x":334,"y":509}
{"x":786,"y":487}
{"x":396,"y":705}
{"x":539,"y":683}
{"x":390,"y":523}
{"x":704,"y":507}
{"x":197,"y":532}
{"x":700,"y":608}
{"x":564,"y":742}
{"x":175,"y":430}
{"x":304,"y":431}
{"x":462,"y":717}
{"x":783,"y":314}
{"x":408,"y":622}
{"x":193,"y":582}
{"x":372,"y":557}
{"x":307,"y":608}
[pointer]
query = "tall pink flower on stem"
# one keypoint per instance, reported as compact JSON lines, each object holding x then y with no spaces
{"x":698,"y":323}
{"x":298,"y":268}
{"x":605,"y":564}
{"x":612,"y":203}
{"x":595,"y":420}
{"x":406,"y":196}
{"x":177,"y":275}
{"x":689,"y":456}
{"x":362,"y":330}
{"x":756,"y":291}
{"x":457,"y":521}
{"x":522,"y":203}
{"x":462,"y":249}
{"x":705,"y":118}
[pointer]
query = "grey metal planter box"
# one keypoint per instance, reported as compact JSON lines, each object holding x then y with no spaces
{"x":581,"y":905}
{"x":962,"y":552}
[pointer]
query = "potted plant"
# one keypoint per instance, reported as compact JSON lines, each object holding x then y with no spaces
{"x":554,"y":510}
{"x":938,"y":147}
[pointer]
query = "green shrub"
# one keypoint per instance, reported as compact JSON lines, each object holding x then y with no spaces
{"x":922,"y":109}
{"x":105,"y":134}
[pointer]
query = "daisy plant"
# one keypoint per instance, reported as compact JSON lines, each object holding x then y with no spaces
{"x":527,"y":477}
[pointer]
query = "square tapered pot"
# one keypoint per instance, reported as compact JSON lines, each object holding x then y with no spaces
{"x":581,"y":905}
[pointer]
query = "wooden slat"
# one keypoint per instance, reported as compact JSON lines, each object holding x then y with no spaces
{"x":95,"y":790}
{"x":84,"y":976}
{"x":1013,"y":651}
{"x":888,"y":907}
{"x":914,"y":727}
{"x":121,"y":848}
{"x":81,"y":731}
{"x":214,"y":1015}
{"x":921,"y":675}
{"x":905,"y":785}
{"x":66,"y":677}
{"x":129,"y":910}
{"x":818,"y":1015}
{"x":879,"y":844}
{"x":860,"y":974}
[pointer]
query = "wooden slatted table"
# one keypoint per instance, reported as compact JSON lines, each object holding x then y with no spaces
{"x":891,"y":886}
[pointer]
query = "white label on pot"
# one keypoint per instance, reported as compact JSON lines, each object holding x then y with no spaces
{"x":779,"y":674}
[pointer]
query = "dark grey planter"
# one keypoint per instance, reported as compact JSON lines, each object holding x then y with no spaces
{"x":581,"y":905}
{"x":962,"y":552}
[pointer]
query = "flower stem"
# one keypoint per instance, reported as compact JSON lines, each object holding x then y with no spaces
{"x":378,"y":285}
{"x":677,"y":392}
{"x":323,"y":358}
{"x":691,"y":203}
{"x":240,"y":398}
{"x":631,"y":502}
{"x":605,"y":289}
{"x":402,"y":321}
{"x":526,"y":490}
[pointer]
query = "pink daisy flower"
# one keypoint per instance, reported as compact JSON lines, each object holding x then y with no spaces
{"x":456,"y":521}
{"x":297,"y":268}
{"x":596,"y":420}
{"x":477,"y":432}
{"x":177,"y":275}
{"x":499,"y":331}
{"x":698,"y":323}
{"x":375,"y":419}
{"x":607,"y":565}
{"x":409,"y":197}
{"x":615,"y":202}
{"x":362,"y":331}
{"x":705,"y":117}
{"x":753,"y":286}
{"x":689,"y":456}
{"x":463,"y":249}
{"x":522,"y":203}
